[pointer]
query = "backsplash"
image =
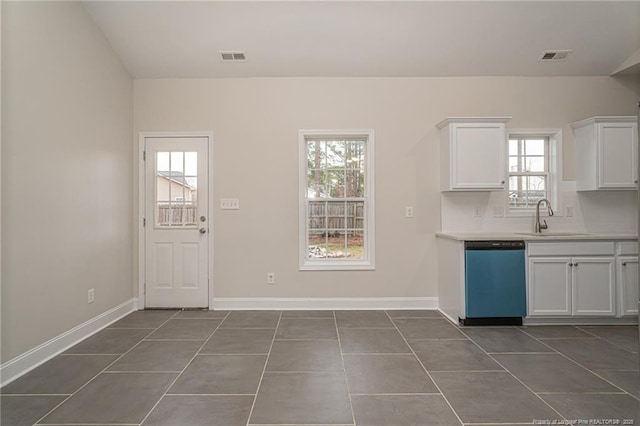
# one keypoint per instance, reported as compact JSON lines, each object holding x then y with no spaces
{"x":594,"y":211}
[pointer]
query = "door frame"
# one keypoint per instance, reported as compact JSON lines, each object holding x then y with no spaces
{"x":141,"y":300}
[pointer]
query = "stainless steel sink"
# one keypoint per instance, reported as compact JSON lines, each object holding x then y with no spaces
{"x":554,"y":234}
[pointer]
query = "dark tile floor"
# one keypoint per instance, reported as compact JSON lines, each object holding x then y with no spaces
{"x":387,"y":368}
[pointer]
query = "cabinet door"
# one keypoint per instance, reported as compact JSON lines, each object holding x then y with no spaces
{"x":477,"y":156}
{"x":618,"y":146}
{"x":549,"y":286}
{"x":593,"y":286}
{"x":628,"y":285}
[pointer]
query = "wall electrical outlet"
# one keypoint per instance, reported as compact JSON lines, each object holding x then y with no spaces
{"x":408,"y":211}
{"x":477,"y":212}
{"x":498,"y":212}
{"x":91,"y":296}
{"x":230,"y":203}
{"x":568,"y":211}
{"x":271,"y":277}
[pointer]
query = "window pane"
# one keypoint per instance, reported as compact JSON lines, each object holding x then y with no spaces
{"x":355,"y":154}
{"x":316,"y":158}
{"x":537,"y":188}
{"x":513,"y":147}
{"x":336,"y":246}
{"x":355,"y":215}
{"x":534,"y":147}
{"x":355,"y":244}
{"x":335,"y":183}
{"x":191,"y":164}
{"x":162,"y":161}
{"x":335,"y":216}
{"x":177,"y":165}
{"x":335,"y":154}
{"x":317,"y":245}
{"x":513,"y":164}
{"x":316,"y":184}
{"x":316,"y":215}
{"x":526,"y":191}
{"x":534,"y":164}
{"x":163,"y":214}
{"x":354,"y":183}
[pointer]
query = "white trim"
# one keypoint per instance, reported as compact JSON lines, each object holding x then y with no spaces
{"x":325,"y":303}
{"x":22,"y":364}
{"x":140,"y":300}
{"x":305,"y":264}
{"x":627,"y":320}
{"x":555,"y":171}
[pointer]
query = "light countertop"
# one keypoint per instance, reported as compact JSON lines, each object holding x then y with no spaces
{"x":523,"y":236}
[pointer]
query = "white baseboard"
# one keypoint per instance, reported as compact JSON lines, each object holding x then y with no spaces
{"x":630,"y":320}
{"x":327,"y":303}
{"x":16,"y":367}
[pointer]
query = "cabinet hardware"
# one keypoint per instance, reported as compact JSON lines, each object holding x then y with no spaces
{"x":624,"y":263}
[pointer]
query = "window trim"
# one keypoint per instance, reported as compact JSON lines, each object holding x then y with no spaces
{"x":306,"y":264}
{"x":554,"y":192}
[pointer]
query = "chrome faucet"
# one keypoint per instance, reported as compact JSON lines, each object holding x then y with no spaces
{"x":541,"y":226}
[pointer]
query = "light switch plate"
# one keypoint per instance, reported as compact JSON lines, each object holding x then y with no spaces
{"x":230,"y":203}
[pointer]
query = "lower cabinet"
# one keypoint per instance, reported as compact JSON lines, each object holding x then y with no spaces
{"x":549,"y":286}
{"x":593,"y":286}
{"x":628,"y":285}
{"x":567,"y":286}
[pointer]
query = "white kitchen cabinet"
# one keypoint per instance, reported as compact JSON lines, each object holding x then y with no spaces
{"x":628,"y":285}
{"x":606,"y":153}
{"x":571,"y":279}
{"x":593,"y":286}
{"x":472,"y":153}
{"x":549,"y":286}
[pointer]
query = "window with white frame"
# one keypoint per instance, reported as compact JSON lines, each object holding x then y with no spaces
{"x":528,"y":168}
{"x":336,"y":200}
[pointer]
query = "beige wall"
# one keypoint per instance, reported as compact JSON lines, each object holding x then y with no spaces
{"x":67,"y":121}
{"x":256,"y":122}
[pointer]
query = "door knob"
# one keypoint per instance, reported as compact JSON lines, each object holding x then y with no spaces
{"x":203,"y":230}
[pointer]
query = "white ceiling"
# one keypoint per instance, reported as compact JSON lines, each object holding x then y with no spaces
{"x":159,"y":39}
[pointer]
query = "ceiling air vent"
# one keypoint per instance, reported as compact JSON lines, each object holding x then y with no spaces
{"x":233,"y":56}
{"x":555,"y":55}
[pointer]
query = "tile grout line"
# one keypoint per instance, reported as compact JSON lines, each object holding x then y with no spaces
{"x":185,"y":367}
{"x":583,"y":366}
{"x":513,"y":375}
{"x":425,"y":369}
{"x":344,"y":368}
{"x":104,"y":369}
{"x":255,"y":398}
{"x":607,"y":340}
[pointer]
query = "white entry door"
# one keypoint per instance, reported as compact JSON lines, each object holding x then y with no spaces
{"x":177,"y":227}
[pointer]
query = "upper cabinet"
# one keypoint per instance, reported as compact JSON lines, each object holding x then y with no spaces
{"x":606,"y":153}
{"x":472,"y":153}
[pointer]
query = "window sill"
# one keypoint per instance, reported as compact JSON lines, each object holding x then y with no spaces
{"x":336,"y":266}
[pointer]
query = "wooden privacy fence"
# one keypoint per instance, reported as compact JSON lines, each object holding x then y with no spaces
{"x":177,"y":214}
{"x":325,"y":215}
